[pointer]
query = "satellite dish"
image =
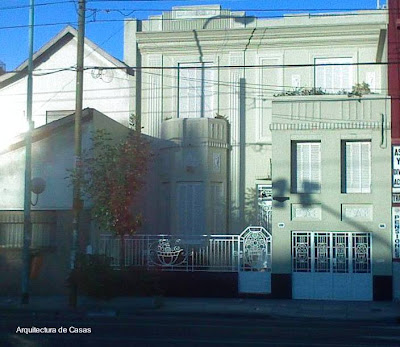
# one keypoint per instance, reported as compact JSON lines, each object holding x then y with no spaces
{"x":38,"y":185}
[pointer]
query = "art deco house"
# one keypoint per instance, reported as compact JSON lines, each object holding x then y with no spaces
{"x":296,"y":107}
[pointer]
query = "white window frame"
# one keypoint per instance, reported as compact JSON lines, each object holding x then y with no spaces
{"x":195,"y":79}
{"x":331,"y":78}
{"x":356,"y":166}
{"x":306,"y":167}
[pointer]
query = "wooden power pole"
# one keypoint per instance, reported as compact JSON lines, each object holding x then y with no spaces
{"x":77,"y":202}
{"x":26,"y":256}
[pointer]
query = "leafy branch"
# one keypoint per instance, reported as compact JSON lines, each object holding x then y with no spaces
{"x":111,"y":176}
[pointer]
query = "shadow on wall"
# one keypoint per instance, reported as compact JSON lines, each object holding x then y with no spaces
{"x":251,"y":206}
{"x":281,"y":192}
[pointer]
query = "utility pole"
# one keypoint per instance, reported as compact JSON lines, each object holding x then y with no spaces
{"x":77,"y":202}
{"x":26,"y":257}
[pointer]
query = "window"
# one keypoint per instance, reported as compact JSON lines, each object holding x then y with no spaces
{"x":195,"y":92}
{"x":334,"y":78}
{"x":306,"y":167}
{"x":191,"y":208}
{"x":356,"y":166}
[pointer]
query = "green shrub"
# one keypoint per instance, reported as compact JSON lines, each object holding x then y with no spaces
{"x":93,"y":276}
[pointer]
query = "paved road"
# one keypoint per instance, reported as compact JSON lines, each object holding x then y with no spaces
{"x":195,"y":331}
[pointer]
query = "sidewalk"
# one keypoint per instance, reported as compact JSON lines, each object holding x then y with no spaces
{"x":258,"y":308}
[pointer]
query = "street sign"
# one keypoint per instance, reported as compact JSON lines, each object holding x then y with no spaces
{"x":396,"y":198}
{"x":396,"y":232}
{"x":396,"y":166}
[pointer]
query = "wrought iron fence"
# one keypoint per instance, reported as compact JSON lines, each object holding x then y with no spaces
{"x":12,"y":235}
{"x":169,"y":252}
{"x":228,"y":253}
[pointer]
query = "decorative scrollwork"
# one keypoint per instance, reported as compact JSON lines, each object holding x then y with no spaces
{"x":361,"y":253}
{"x":322,"y":251}
{"x":167,"y":252}
{"x":255,"y":250}
{"x":340,"y":253}
{"x":302,"y":253}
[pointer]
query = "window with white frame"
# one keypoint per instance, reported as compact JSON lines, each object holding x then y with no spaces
{"x":356,"y":166}
{"x":195,"y":91}
{"x":334,"y":74}
{"x":306,"y":167}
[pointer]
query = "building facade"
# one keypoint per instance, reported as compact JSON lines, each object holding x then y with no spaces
{"x":52,"y":157}
{"x":394,"y":92}
{"x":54,"y":84}
{"x":331,"y":187}
{"x":302,"y":106}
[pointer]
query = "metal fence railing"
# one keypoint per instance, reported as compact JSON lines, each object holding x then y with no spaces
{"x":189,"y":253}
{"x":226,"y":253}
{"x":12,"y":235}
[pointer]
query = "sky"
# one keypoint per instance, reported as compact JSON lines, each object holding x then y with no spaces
{"x":104,"y":19}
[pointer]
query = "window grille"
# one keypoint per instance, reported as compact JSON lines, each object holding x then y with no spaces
{"x":335,"y":252}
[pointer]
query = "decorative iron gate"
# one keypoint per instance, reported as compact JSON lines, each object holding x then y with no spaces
{"x":331,"y":265}
{"x":249,"y":254}
{"x":255,"y":250}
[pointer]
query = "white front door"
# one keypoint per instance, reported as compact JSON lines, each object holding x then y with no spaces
{"x":331,"y":265}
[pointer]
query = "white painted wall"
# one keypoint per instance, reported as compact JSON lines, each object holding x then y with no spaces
{"x":52,"y":156}
{"x":56,"y":91}
{"x":226,"y":42}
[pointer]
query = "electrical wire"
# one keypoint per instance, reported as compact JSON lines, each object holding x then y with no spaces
{"x":190,"y":19}
{"x":213,"y":67}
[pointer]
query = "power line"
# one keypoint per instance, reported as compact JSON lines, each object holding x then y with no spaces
{"x":37,"y":25}
{"x":36,"y":5}
{"x":347,"y":9}
{"x":216,"y":67}
{"x":255,"y":88}
{"x":325,"y":15}
{"x":212,"y":67}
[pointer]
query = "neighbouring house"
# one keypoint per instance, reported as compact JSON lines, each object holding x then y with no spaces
{"x":394,"y":92}
{"x":106,"y":85}
{"x":52,"y":156}
{"x":299,"y":104}
{"x":331,"y":188}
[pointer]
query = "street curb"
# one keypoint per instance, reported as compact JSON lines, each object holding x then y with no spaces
{"x":113,"y":312}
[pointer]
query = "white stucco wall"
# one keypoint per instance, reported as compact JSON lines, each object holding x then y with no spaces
{"x":52,"y":156}
{"x":56,"y":91}
{"x":289,"y":44}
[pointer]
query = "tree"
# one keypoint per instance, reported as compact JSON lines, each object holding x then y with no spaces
{"x":112,"y":175}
